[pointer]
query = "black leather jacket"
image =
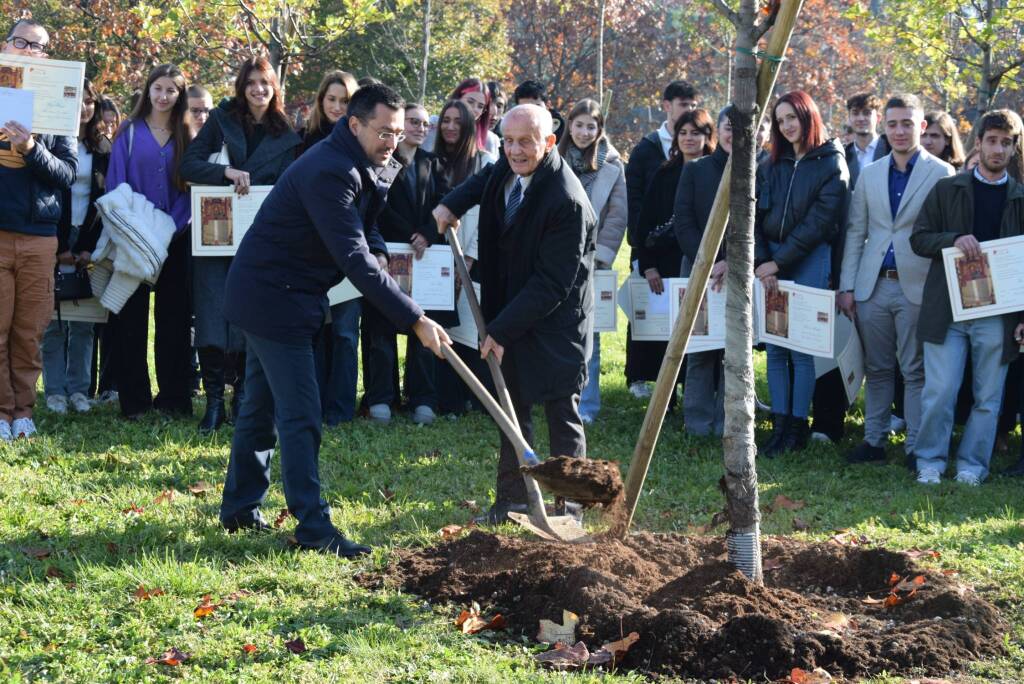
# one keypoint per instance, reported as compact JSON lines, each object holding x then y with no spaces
{"x":800,"y":204}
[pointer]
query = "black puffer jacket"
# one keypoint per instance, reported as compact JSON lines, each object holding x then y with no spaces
{"x":800,"y":204}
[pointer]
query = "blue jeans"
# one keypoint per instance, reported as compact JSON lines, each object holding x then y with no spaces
{"x":943,"y":374}
{"x":281,"y":401}
{"x":67,"y":358}
{"x":338,"y":363}
{"x":590,"y":398}
{"x":795,"y":399}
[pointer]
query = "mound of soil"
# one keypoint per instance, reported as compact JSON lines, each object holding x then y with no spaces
{"x":588,"y":481}
{"x":699,"y":617}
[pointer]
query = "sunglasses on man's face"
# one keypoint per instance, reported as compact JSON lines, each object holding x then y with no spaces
{"x":22,"y":44}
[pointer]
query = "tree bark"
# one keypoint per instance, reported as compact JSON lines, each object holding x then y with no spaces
{"x":426,"y":50}
{"x":599,"y":71}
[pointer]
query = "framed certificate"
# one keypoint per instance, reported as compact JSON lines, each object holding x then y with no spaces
{"x":709,"y":327}
{"x":82,"y":310}
{"x":648,"y":313}
{"x":989,"y":285}
{"x":56,"y":86}
{"x":605,"y":311}
{"x":466,"y":331}
{"x":220,"y":217}
{"x":429,"y":280}
{"x":797,"y":317}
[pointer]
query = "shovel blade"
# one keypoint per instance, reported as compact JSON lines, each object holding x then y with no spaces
{"x":563,"y":528}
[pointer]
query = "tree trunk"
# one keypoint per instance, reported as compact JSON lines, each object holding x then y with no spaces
{"x":426,"y":50}
{"x":738,"y":450}
{"x":599,"y":71}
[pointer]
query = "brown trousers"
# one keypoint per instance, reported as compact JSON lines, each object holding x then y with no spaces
{"x":26,"y":307}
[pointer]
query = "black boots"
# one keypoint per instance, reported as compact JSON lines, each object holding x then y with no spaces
{"x":237,"y":361}
{"x":211,"y":366}
{"x":773,"y":447}
{"x":788,"y":434}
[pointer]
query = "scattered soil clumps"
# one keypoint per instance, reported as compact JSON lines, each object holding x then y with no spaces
{"x":588,"y":481}
{"x":698,"y":617}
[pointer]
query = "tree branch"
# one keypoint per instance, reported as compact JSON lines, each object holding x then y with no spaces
{"x":726,"y":12}
{"x":764,"y":26}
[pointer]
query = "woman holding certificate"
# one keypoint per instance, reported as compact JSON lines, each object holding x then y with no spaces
{"x":596,"y":162}
{"x":146,"y":155}
{"x":802,"y":192}
{"x":659,"y":254}
{"x":457,"y":148}
{"x":252,"y":130}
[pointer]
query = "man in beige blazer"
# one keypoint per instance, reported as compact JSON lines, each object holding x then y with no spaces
{"x":882,"y":280}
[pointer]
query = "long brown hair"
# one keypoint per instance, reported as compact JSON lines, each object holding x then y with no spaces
{"x":699,"y":119}
{"x":92,"y":135}
{"x":275,"y":119}
{"x":458,"y":157}
{"x":317,"y":117}
{"x":585,"y":107}
{"x":483,"y":124}
{"x":179,"y":131}
{"x":953,"y":153}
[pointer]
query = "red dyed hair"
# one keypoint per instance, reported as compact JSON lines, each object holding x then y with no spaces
{"x":811,"y":126}
{"x":483,"y":124}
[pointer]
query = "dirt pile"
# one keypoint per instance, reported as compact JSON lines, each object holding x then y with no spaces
{"x":588,"y":481}
{"x":822,"y":605}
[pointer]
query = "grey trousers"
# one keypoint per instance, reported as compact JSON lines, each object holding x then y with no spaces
{"x":704,"y":394}
{"x":887,"y":323}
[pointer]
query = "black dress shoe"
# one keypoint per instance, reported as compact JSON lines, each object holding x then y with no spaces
{"x":865,"y":453}
{"x":1016,"y":470}
{"x":498,"y":513}
{"x":338,"y":545}
{"x":773,"y":447}
{"x":236,"y":524}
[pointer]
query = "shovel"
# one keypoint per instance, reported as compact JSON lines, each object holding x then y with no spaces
{"x":556,"y":528}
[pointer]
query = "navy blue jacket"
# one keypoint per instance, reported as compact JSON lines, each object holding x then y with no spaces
{"x":31,"y":201}
{"x":308,"y":235}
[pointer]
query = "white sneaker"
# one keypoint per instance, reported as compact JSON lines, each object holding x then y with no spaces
{"x":968,"y":479}
{"x":929,"y":476}
{"x":820,"y":437}
{"x":422,"y":415}
{"x":23,"y":427}
{"x":380,"y":413}
{"x":897,"y":424}
{"x":761,"y":408}
{"x":57,"y":403}
{"x":79,"y":402}
{"x":587,"y":418}
{"x":5,"y":432}
{"x":108,"y":397}
{"x":640,"y":390}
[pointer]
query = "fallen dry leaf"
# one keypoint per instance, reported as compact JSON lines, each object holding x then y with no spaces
{"x":470,"y":504}
{"x":238,"y":595}
{"x":619,"y":648}
{"x":849,"y":538}
{"x":911,"y":584}
{"x":78,"y":502}
{"x":296,"y":645}
{"x":771,"y":564}
{"x":869,"y":601}
{"x":815,"y":676}
{"x":171,"y":656}
{"x":783,"y":501}
{"x":836,"y":622}
{"x":38,"y":553}
{"x":800,"y":525}
{"x":451,"y":531}
{"x":112,"y":548}
{"x":917,"y":553}
{"x":386,"y":494}
{"x":565,"y":657}
{"x":949,"y":572}
{"x":281,"y":517}
{"x":166,"y":496}
{"x":133,"y":510}
{"x":54,"y":572}
{"x":249,"y":648}
{"x":207,"y":607}
{"x":143,"y":594}
{"x":200,"y":488}
{"x":553,"y":633}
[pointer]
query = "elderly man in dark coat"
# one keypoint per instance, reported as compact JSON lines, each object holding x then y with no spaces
{"x":536,"y":237}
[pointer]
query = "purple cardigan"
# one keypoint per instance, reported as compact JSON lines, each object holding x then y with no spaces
{"x":149,"y":170}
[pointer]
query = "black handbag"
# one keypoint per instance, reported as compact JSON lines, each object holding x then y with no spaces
{"x":71,"y":286}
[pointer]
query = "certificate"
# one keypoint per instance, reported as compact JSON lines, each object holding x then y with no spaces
{"x":82,"y":310}
{"x":466,"y":331}
{"x":797,"y":317}
{"x":220,"y":217}
{"x":17,"y":106}
{"x":343,"y":292}
{"x":989,"y":285}
{"x":648,"y":313}
{"x":709,"y":327}
{"x":429,"y":280}
{"x":849,"y":358}
{"x":56,"y":87}
{"x":605,"y":284}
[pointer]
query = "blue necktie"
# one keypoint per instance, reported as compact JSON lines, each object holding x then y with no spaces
{"x":514,"y":200}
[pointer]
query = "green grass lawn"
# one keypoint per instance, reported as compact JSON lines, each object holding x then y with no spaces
{"x":72,"y":616}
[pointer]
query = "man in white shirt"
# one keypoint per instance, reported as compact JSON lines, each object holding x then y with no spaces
{"x":863,"y":112}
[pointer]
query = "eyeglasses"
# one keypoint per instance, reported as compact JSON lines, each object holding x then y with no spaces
{"x":417,"y":123}
{"x":22,"y":44}
{"x":198,"y":111}
{"x":387,"y":136}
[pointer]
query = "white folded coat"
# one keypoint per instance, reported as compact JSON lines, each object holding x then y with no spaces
{"x":132,"y":247}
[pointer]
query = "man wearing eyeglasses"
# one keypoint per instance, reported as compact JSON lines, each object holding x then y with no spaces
{"x":34,"y":171}
{"x":199,"y":105}
{"x":315,"y":228}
